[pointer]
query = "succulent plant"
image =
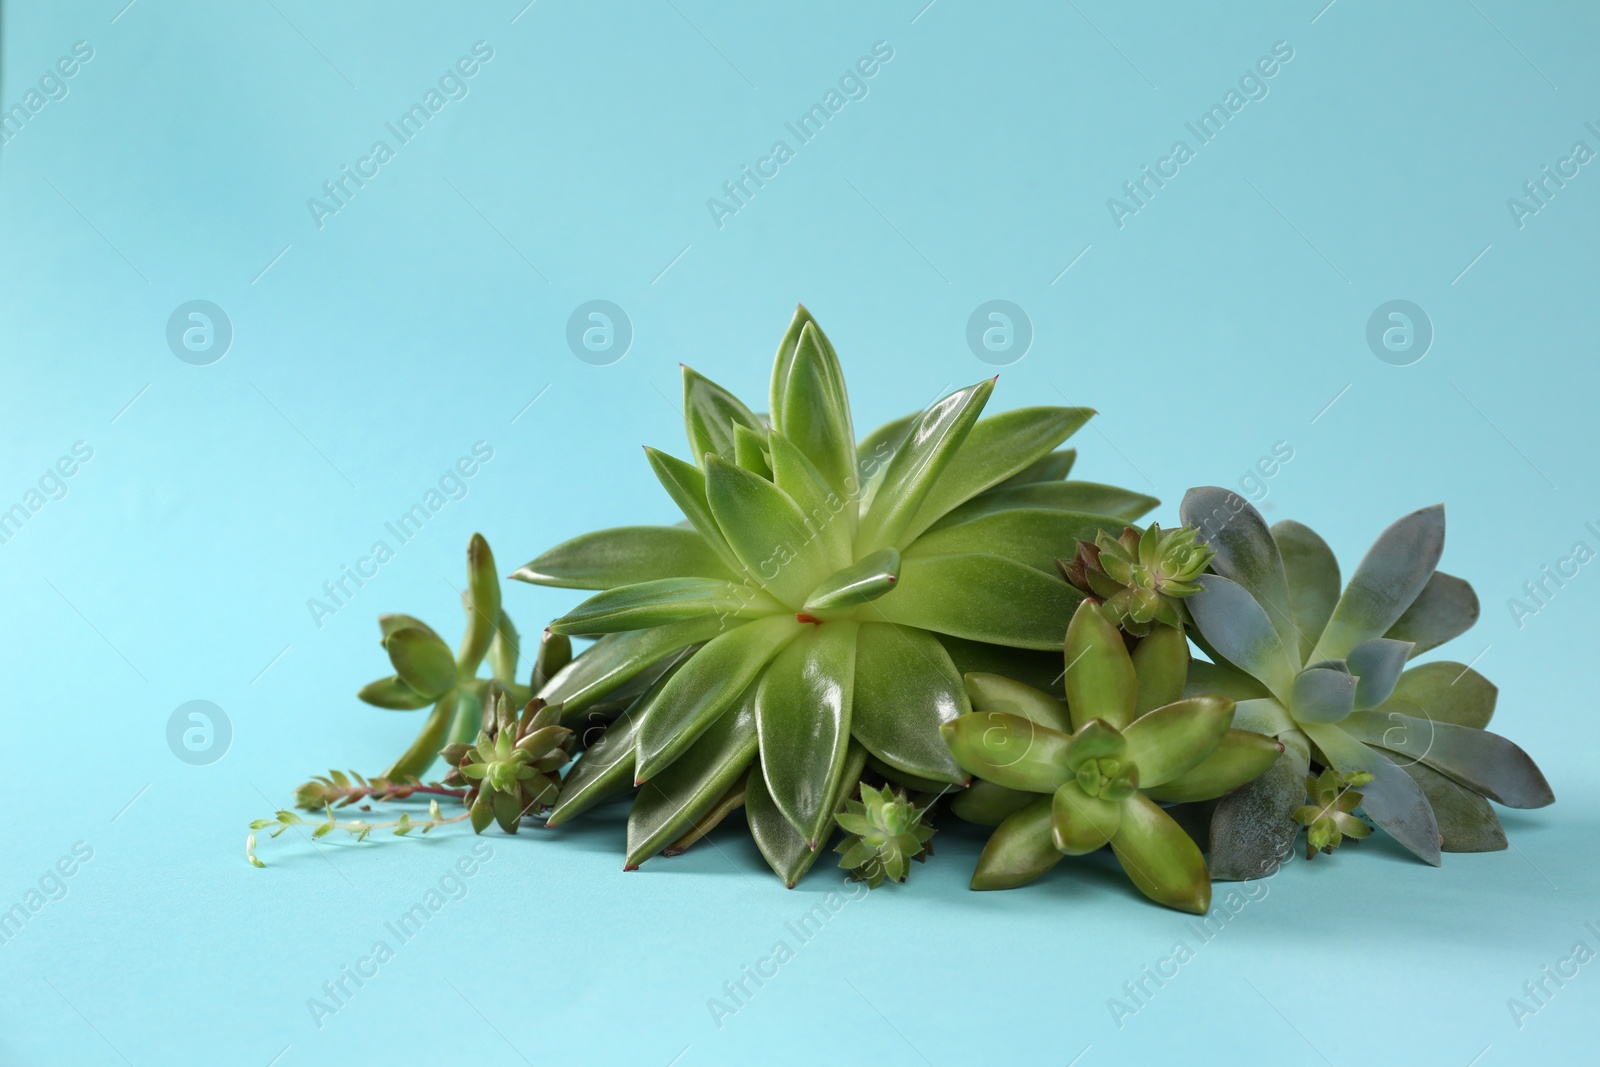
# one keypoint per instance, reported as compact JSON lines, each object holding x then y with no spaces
{"x":1141,"y":577}
{"x":514,"y":767}
{"x":1069,"y":779}
{"x":885,"y":832}
{"x":1330,"y":818}
{"x":818,"y":600}
{"x":1326,"y":673}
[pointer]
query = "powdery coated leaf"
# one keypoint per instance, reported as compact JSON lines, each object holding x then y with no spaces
{"x":767,"y":531}
{"x":617,"y":659}
{"x":1445,"y":692}
{"x":672,"y":801}
{"x":663,"y":601}
{"x":1246,"y":554}
{"x":1019,"y":850}
{"x":1467,"y":821}
{"x":917,"y":466}
{"x":1446,"y":608}
{"x":711,"y":414}
{"x":1087,"y":498}
{"x":980,"y":598}
{"x":996,"y":448}
{"x":1378,"y":664}
{"x":1391,"y":576}
{"x":905,"y":689}
{"x":781,"y":846}
{"x":1484,"y":762}
{"x":1034,"y":536}
{"x":1392,"y":800}
{"x":1323,"y":694}
{"x":1314,"y":584}
{"x":814,"y":410}
{"x":1253,"y":828}
{"x":1235,"y":625}
{"x":803,"y":708}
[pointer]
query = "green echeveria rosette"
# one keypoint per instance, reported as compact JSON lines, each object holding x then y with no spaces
{"x":1141,"y":578}
{"x":820,"y":603}
{"x":514,"y":767}
{"x":1330,"y":817}
{"x":1068,"y":779}
{"x":885,"y":831}
{"x":1326,"y":673}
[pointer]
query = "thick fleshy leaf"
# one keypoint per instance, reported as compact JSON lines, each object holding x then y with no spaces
{"x":815,"y":411}
{"x":750,"y":451}
{"x":986,"y":804}
{"x":422,"y":660}
{"x":1161,"y":664}
{"x":710,"y":414}
{"x":905,"y":689}
{"x":686,"y":484}
{"x":997,"y":448}
{"x":1391,"y":576}
{"x":1032,"y":667}
{"x":1163,"y":861}
{"x":1446,"y":608}
{"x":617,"y":659}
{"x":1020,"y":849}
{"x":395,"y":621}
{"x":767,"y":531}
{"x":393,"y":694}
{"x":1484,"y":762}
{"x":708,"y":685}
{"x":1087,"y":498}
{"x":657,"y":603}
{"x":671,"y":801}
{"x":1238,"y":628}
{"x":995,"y":692}
{"x":830,"y":516}
{"x":1445,"y":692}
{"x":602,"y":771}
{"x":781,"y":845}
{"x":1099,"y":677}
{"x":981,"y":598}
{"x":1219,"y":679}
{"x":1053,"y":467}
{"x":917,"y":466}
{"x":625,"y":555}
{"x":1173,"y":739}
{"x":481,"y":602}
{"x":803,"y":704}
{"x":1009,"y":750}
{"x":1392,"y":800}
{"x":1246,"y":554}
{"x":783,"y":362}
{"x":1378,"y":664}
{"x":1080,"y":823}
{"x":1323,"y":694}
{"x":867,"y":579}
{"x":1035,"y":536}
{"x":433,"y":736}
{"x":876,"y":449}
{"x":1253,"y":828}
{"x":1467,"y":821}
{"x":1314,"y":584}
{"x":1241,"y":756}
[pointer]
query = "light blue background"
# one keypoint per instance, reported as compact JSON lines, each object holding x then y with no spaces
{"x":1222,"y":319}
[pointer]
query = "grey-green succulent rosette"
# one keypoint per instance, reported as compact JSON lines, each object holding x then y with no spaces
{"x":818,"y":605}
{"x":1327,"y":673}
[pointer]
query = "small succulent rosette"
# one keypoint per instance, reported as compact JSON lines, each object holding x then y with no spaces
{"x":885,"y":830}
{"x":513,"y":769}
{"x":1141,"y":578}
{"x":1068,"y":779}
{"x":1327,"y":673}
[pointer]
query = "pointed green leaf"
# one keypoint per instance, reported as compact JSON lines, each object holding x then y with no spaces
{"x":1099,"y":677}
{"x":867,"y":579}
{"x":1484,"y":762}
{"x":1445,"y":609}
{"x":1173,"y":739}
{"x":1219,"y":679}
{"x":1445,"y":692}
{"x":1034,"y":536}
{"x":686,"y":484}
{"x":802,"y":705}
{"x":626,"y":555}
{"x":1246,"y":554}
{"x":482,"y":605}
{"x":1390,"y":578}
{"x":1238,"y":628}
{"x":657,"y":603}
{"x":996,"y":449}
{"x":767,"y":531}
{"x":783,"y":363}
{"x":617,"y":659}
{"x":1313,"y":575}
{"x":1080,"y":823}
{"x":981,"y":598}
{"x":994,"y":692}
{"x":1467,"y":821}
{"x":1009,"y":750}
{"x":1086,"y":498}
{"x":781,"y":845}
{"x":829,"y":515}
{"x":1052,"y":467}
{"x":602,"y":771}
{"x":707,"y":686}
{"x":1163,"y":861}
{"x":421,"y":660}
{"x":814,"y":411}
{"x":750,"y":452}
{"x":670,"y":802}
{"x":1392,"y":800}
{"x":1241,"y":756}
{"x":711,"y":414}
{"x":905,"y":689}
{"x":986,"y":804}
{"x":1378,"y":664}
{"x":393,"y":694}
{"x":1161,"y":664}
{"x":1019,"y":851}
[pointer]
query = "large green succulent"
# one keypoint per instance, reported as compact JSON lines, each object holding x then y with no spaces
{"x":1325,"y":673}
{"x":819,"y":604}
{"x":1065,"y":780}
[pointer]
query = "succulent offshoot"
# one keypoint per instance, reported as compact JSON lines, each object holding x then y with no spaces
{"x":1330,"y":818}
{"x":1140,"y":578}
{"x":885,"y":830}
